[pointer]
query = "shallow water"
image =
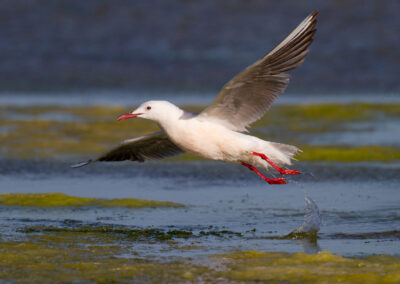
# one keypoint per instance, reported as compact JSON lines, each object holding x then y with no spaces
{"x":360,"y":213}
{"x":378,"y":132}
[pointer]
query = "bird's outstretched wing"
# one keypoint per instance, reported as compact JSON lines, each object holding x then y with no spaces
{"x":249,"y":95}
{"x":149,"y":147}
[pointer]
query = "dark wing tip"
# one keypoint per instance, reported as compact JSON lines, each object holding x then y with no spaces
{"x":81,"y":164}
{"x":314,"y":17}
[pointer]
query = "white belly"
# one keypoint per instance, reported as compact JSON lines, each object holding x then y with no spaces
{"x":212,"y":141}
{"x":216,"y":142}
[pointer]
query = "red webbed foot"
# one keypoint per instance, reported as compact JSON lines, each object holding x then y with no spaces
{"x":280,"y":170}
{"x":269,"y":180}
{"x":276,"y":181}
{"x":289,"y":172}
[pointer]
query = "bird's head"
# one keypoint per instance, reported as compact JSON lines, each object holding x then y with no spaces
{"x":154,"y":110}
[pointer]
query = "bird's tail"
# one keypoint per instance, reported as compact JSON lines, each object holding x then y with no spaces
{"x":288,"y":151}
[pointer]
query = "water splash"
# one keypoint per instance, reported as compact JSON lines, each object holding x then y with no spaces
{"x":312,"y":218}
{"x":312,"y":222}
{"x":306,"y":234}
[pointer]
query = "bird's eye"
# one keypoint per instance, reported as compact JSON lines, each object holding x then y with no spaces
{"x":148,"y":108}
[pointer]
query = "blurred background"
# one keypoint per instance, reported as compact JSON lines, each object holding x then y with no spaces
{"x":192,"y":46}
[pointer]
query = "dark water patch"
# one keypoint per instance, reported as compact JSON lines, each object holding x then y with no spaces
{"x":313,"y":236}
{"x":26,"y":220}
{"x":288,"y":214}
{"x":182,"y":170}
{"x":132,"y":234}
{"x":126,"y":233}
{"x":72,"y":222}
{"x":195,"y":171}
{"x":334,"y":171}
{"x":220,"y":233}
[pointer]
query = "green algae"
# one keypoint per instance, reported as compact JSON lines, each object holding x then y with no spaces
{"x":331,"y":113}
{"x":39,"y":138}
{"x":323,"y":267}
{"x":27,"y":261}
{"x":286,"y":123}
{"x":63,"y":200}
{"x":50,"y":259}
{"x":88,"y":135}
{"x":349,"y":154}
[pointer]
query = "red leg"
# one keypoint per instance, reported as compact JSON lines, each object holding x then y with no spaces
{"x":280,"y":170}
{"x":269,"y":180}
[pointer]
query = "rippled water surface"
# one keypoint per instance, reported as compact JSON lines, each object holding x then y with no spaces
{"x":360,"y":212}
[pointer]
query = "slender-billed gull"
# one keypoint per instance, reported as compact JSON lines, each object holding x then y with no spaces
{"x":218,"y":132}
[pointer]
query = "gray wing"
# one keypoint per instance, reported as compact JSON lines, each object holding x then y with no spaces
{"x":149,"y":147}
{"x":249,"y":95}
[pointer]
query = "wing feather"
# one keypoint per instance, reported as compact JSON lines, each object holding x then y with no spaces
{"x":249,"y":95}
{"x":154,"y":146}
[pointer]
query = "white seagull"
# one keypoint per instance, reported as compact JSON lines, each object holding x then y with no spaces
{"x":218,"y":132}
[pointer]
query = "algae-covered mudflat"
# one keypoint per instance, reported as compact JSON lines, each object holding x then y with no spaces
{"x":328,"y":132}
{"x":190,"y":220}
{"x":48,"y":259}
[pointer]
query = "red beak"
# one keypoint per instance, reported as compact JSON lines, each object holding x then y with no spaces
{"x":128,"y":115}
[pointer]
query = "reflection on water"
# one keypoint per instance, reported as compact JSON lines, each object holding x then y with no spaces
{"x":310,"y":246}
